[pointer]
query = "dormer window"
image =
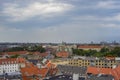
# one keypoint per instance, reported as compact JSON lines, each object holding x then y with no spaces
{"x":2,"y":62}
{"x":5,"y":62}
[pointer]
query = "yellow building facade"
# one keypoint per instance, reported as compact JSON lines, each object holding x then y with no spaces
{"x":97,"y":63}
{"x":60,"y":62}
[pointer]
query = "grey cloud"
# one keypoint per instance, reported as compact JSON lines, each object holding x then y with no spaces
{"x":18,"y":13}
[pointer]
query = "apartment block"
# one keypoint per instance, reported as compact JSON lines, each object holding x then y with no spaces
{"x":93,"y":61}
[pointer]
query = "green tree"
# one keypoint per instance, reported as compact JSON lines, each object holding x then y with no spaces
{"x":37,"y":48}
{"x":116,"y":51}
{"x":15,"y":56}
{"x":104,"y":50}
{"x":15,"y":49}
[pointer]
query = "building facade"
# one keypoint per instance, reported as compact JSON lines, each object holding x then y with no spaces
{"x":92,"y":61}
{"x":11,"y":65}
{"x":60,"y":61}
{"x":90,"y":47}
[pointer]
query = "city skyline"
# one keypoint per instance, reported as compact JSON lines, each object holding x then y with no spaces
{"x":72,"y":21}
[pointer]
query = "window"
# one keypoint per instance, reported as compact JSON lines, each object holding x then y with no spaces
{"x":2,"y":62}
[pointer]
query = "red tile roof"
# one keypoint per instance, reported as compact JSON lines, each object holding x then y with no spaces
{"x":43,"y":71}
{"x":114,"y":72}
{"x":31,"y":70}
{"x":43,"y":54}
{"x":95,"y":70}
{"x":62,"y":54}
{"x":110,"y":58}
{"x":16,"y":52}
{"x":89,"y":46}
{"x":12,"y":60}
{"x":50,"y":65}
{"x":35,"y":53}
{"x":53,"y":71}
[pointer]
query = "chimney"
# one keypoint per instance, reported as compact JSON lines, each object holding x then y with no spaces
{"x":75,"y":76}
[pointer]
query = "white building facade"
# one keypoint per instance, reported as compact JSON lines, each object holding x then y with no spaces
{"x":11,"y":65}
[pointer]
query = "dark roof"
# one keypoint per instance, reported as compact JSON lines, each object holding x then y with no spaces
{"x":100,"y":77}
{"x":70,"y":70}
{"x":11,"y":77}
{"x":33,"y":61}
{"x":63,"y":77}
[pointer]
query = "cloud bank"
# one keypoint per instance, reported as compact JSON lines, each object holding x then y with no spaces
{"x":76,"y":21}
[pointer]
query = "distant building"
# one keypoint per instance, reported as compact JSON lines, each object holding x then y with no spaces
{"x":65,"y":47}
{"x":90,"y":47}
{"x":38,"y":55}
{"x":16,"y":53}
{"x":62,"y":54}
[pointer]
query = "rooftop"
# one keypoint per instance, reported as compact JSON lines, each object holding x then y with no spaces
{"x":16,"y":52}
{"x":12,"y":60}
{"x":100,"y":77}
{"x":89,"y":46}
{"x":107,"y":71}
{"x":31,"y":70}
{"x":70,"y":70}
{"x":63,"y":54}
{"x":63,"y":77}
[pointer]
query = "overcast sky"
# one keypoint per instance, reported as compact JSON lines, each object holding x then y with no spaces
{"x":59,"y":20}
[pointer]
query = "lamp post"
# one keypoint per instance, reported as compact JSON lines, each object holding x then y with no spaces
{"x":4,"y":74}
